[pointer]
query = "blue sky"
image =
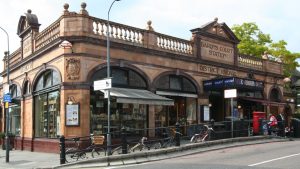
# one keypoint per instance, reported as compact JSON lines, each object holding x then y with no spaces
{"x":278,"y":18}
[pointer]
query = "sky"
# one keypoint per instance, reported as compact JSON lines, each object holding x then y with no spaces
{"x":279,"y":18}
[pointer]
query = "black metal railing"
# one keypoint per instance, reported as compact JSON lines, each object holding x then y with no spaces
{"x":129,"y":140}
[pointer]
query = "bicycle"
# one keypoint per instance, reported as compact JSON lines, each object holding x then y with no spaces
{"x":169,"y":140}
{"x":74,"y":153}
{"x":97,"y":148}
{"x":203,"y":135}
{"x":141,"y":145}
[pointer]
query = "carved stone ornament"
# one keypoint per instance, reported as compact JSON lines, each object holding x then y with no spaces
{"x":73,"y":69}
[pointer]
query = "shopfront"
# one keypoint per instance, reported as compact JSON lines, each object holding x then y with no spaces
{"x":130,"y":102}
{"x":46,"y":105}
{"x":184,"y":93}
{"x":250,"y":97}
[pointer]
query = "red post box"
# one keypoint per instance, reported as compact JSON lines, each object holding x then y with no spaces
{"x":256,"y":116}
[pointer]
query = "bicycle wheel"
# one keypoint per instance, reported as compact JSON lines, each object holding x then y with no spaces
{"x":98,"y":152}
{"x":117,"y":150}
{"x":156,"y":145}
{"x":71,"y":155}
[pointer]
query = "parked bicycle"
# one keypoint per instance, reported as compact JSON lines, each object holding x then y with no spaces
{"x":203,"y":135}
{"x":141,"y":145}
{"x":74,"y":153}
{"x":169,"y":140}
{"x":96,"y":149}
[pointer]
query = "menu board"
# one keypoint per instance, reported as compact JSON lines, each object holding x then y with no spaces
{"x":72,"y":115}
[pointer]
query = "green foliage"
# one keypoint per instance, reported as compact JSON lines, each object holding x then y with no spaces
{"x":254,"y":42}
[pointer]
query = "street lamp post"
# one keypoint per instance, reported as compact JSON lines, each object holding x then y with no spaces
{"x":108,"y":76}
{"x":7,"y":112}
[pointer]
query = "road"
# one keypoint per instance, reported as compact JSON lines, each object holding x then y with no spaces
{"x":277,"y":155}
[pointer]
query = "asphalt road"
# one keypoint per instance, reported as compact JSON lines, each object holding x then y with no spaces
{"x":277,"y":155}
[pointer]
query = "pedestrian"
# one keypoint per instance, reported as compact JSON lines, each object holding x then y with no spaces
{"x":272,"y":124}
{"x":281,"y":125}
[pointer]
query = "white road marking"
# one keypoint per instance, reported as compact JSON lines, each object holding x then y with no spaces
{"x":274,"y":159}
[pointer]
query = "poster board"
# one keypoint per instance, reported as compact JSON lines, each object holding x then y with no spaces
{"x":72,"y":115}
{"x":206,"y":113}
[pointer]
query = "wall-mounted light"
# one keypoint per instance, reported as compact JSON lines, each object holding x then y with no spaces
{"x":239,"y":106}
{"x":71,"y":100}
{"x":66,"y":45}
{"x":209,"y":105}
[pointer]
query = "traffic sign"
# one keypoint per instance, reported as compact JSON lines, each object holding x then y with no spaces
{"x":7,"y":98}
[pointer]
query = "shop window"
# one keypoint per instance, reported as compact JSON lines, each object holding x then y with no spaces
{"x":15,"y":110}
{"x":46,"y":105}
{"x":130,"y":116}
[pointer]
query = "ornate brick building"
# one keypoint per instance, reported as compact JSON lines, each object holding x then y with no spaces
{"x":157,"y":79}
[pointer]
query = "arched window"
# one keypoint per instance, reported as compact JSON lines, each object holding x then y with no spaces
{"x":122,"y":114}
{"x":122,"y":77}
{"x":184,"y":93}
{"x":274,"y":95}
{"x":15,"y":110}
{"x":46,"y":104}
{"x":175,"y":83}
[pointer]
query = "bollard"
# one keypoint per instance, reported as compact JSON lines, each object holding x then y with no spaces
{"x":62,"y":149}
{"x":177,"y":135}
{"x":124,"y":141}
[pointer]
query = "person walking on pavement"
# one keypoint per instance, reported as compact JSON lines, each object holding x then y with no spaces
{"x":272,"y":124}
{"x":281,"y":125}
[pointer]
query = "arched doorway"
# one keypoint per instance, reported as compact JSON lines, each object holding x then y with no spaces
{"x":184,"y":93}
{"x":129,"y":115}
{"x":275,"y":96}
{"x":46,"y":104}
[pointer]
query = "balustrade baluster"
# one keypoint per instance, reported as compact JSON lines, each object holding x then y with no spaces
{"x":117,"y":32}
{"x":101,"y":28}
{"x":97,"y":28}
{"x":125,"y":33}
{"x":129,"y":35}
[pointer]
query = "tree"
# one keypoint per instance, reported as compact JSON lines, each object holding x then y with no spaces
{"x":254,"y":42}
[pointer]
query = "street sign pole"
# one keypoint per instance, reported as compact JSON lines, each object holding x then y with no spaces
{"x":231,"y":93}
{"x":231,"y":102}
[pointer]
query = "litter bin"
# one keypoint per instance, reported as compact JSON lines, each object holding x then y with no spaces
{"x":256,"y":116}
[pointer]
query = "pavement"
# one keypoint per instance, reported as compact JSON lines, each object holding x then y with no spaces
{"x":30,"y":160}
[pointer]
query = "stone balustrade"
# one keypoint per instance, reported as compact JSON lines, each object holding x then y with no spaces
{"x":174,"y":44}
{"x":250,"y":62}
{"x":48,"y":35}
{"x":118,"y":31}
